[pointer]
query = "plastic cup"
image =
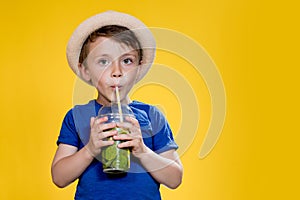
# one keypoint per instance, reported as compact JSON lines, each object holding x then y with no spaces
{"x":115,"y":160}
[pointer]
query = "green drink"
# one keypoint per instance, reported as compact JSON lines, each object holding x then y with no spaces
{"x":115,"y":160}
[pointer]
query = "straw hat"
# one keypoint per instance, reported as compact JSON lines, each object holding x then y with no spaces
{"x":95,"y":22}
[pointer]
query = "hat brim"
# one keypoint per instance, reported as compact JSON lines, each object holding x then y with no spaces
{"x":95,"y":22}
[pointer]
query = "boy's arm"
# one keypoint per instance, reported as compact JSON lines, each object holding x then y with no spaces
{"x":165,"y":167}
{"x":68,"y":164}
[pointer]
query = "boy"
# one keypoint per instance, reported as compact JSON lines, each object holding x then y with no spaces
{"x":112,"y":50}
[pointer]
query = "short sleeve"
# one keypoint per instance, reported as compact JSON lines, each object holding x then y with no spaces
{"x":162,"y":134}
{"x":68,"y":134}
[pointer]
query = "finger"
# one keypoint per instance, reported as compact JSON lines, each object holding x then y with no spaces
{"x":131,"y":124}
{"x":132,"y":130}
{"x":95,"y":121}
{"x":126,"y":144}
{"x":105,"y":143}
{"x":107,"y":126}
{"x":133,"y":121}
{"x":101,"y":120}
{"x":92,"y":125}
{"x":123,"y":137}
{"x":124,"y":125}
{"x":103,"y":127}
{"x":108,"y":134}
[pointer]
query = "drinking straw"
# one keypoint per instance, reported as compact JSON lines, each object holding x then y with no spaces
{"x":119,"y":104}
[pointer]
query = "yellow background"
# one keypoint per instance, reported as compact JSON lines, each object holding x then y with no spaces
{"x":255,"y":45}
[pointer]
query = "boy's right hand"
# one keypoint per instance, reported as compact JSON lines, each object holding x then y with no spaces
{"x":98,"y":135}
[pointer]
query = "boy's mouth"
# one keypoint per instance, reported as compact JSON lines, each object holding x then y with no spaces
{"x":114,"y":87}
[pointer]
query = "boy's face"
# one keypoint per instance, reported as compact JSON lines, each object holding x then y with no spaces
{"x":110,"y":64}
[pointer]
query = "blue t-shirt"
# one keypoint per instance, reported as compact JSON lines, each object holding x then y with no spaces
{"x":137,"y":183}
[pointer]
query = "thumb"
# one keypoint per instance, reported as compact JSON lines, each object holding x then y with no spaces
{"x":92,"y":121}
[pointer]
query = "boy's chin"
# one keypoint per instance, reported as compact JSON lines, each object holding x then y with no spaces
{"x":107,"y":101}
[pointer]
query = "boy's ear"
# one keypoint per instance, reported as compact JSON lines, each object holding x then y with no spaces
{"x":141,"y":62}
{"x":84,"y":71}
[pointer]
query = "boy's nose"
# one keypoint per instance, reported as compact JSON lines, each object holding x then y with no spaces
{"x":116,"y":70}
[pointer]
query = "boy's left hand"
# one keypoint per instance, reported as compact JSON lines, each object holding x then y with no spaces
{"x":134,"y":139}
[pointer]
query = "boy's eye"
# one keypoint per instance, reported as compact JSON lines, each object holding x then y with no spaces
{"x":103,"y":62}
{"x":128,"y":61}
